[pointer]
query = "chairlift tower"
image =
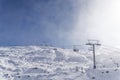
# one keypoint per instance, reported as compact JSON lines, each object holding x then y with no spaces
{"x":93,"y":43}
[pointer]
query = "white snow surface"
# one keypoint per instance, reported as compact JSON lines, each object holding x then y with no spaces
{"x":50,"y":63}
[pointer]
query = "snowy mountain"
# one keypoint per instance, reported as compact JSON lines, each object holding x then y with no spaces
{"x":50,"y":63}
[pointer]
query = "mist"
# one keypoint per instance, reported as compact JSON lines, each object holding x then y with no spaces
{"x":59,"y":22}
{"x":98,"y":19}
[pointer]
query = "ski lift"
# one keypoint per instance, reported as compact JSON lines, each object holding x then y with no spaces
{"x":76,"y":48}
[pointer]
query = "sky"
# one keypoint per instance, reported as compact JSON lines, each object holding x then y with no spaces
{"x":36,"y":22}
{"x":99,"y":20}
{"x":59,"y":22}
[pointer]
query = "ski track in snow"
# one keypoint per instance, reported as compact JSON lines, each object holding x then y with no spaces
{"x":50,"y":63}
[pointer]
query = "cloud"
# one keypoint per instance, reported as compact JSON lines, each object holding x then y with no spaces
{"x":98,"y":19}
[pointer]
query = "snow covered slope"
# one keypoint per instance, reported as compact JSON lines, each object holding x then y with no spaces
{"x":49,"y":63}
